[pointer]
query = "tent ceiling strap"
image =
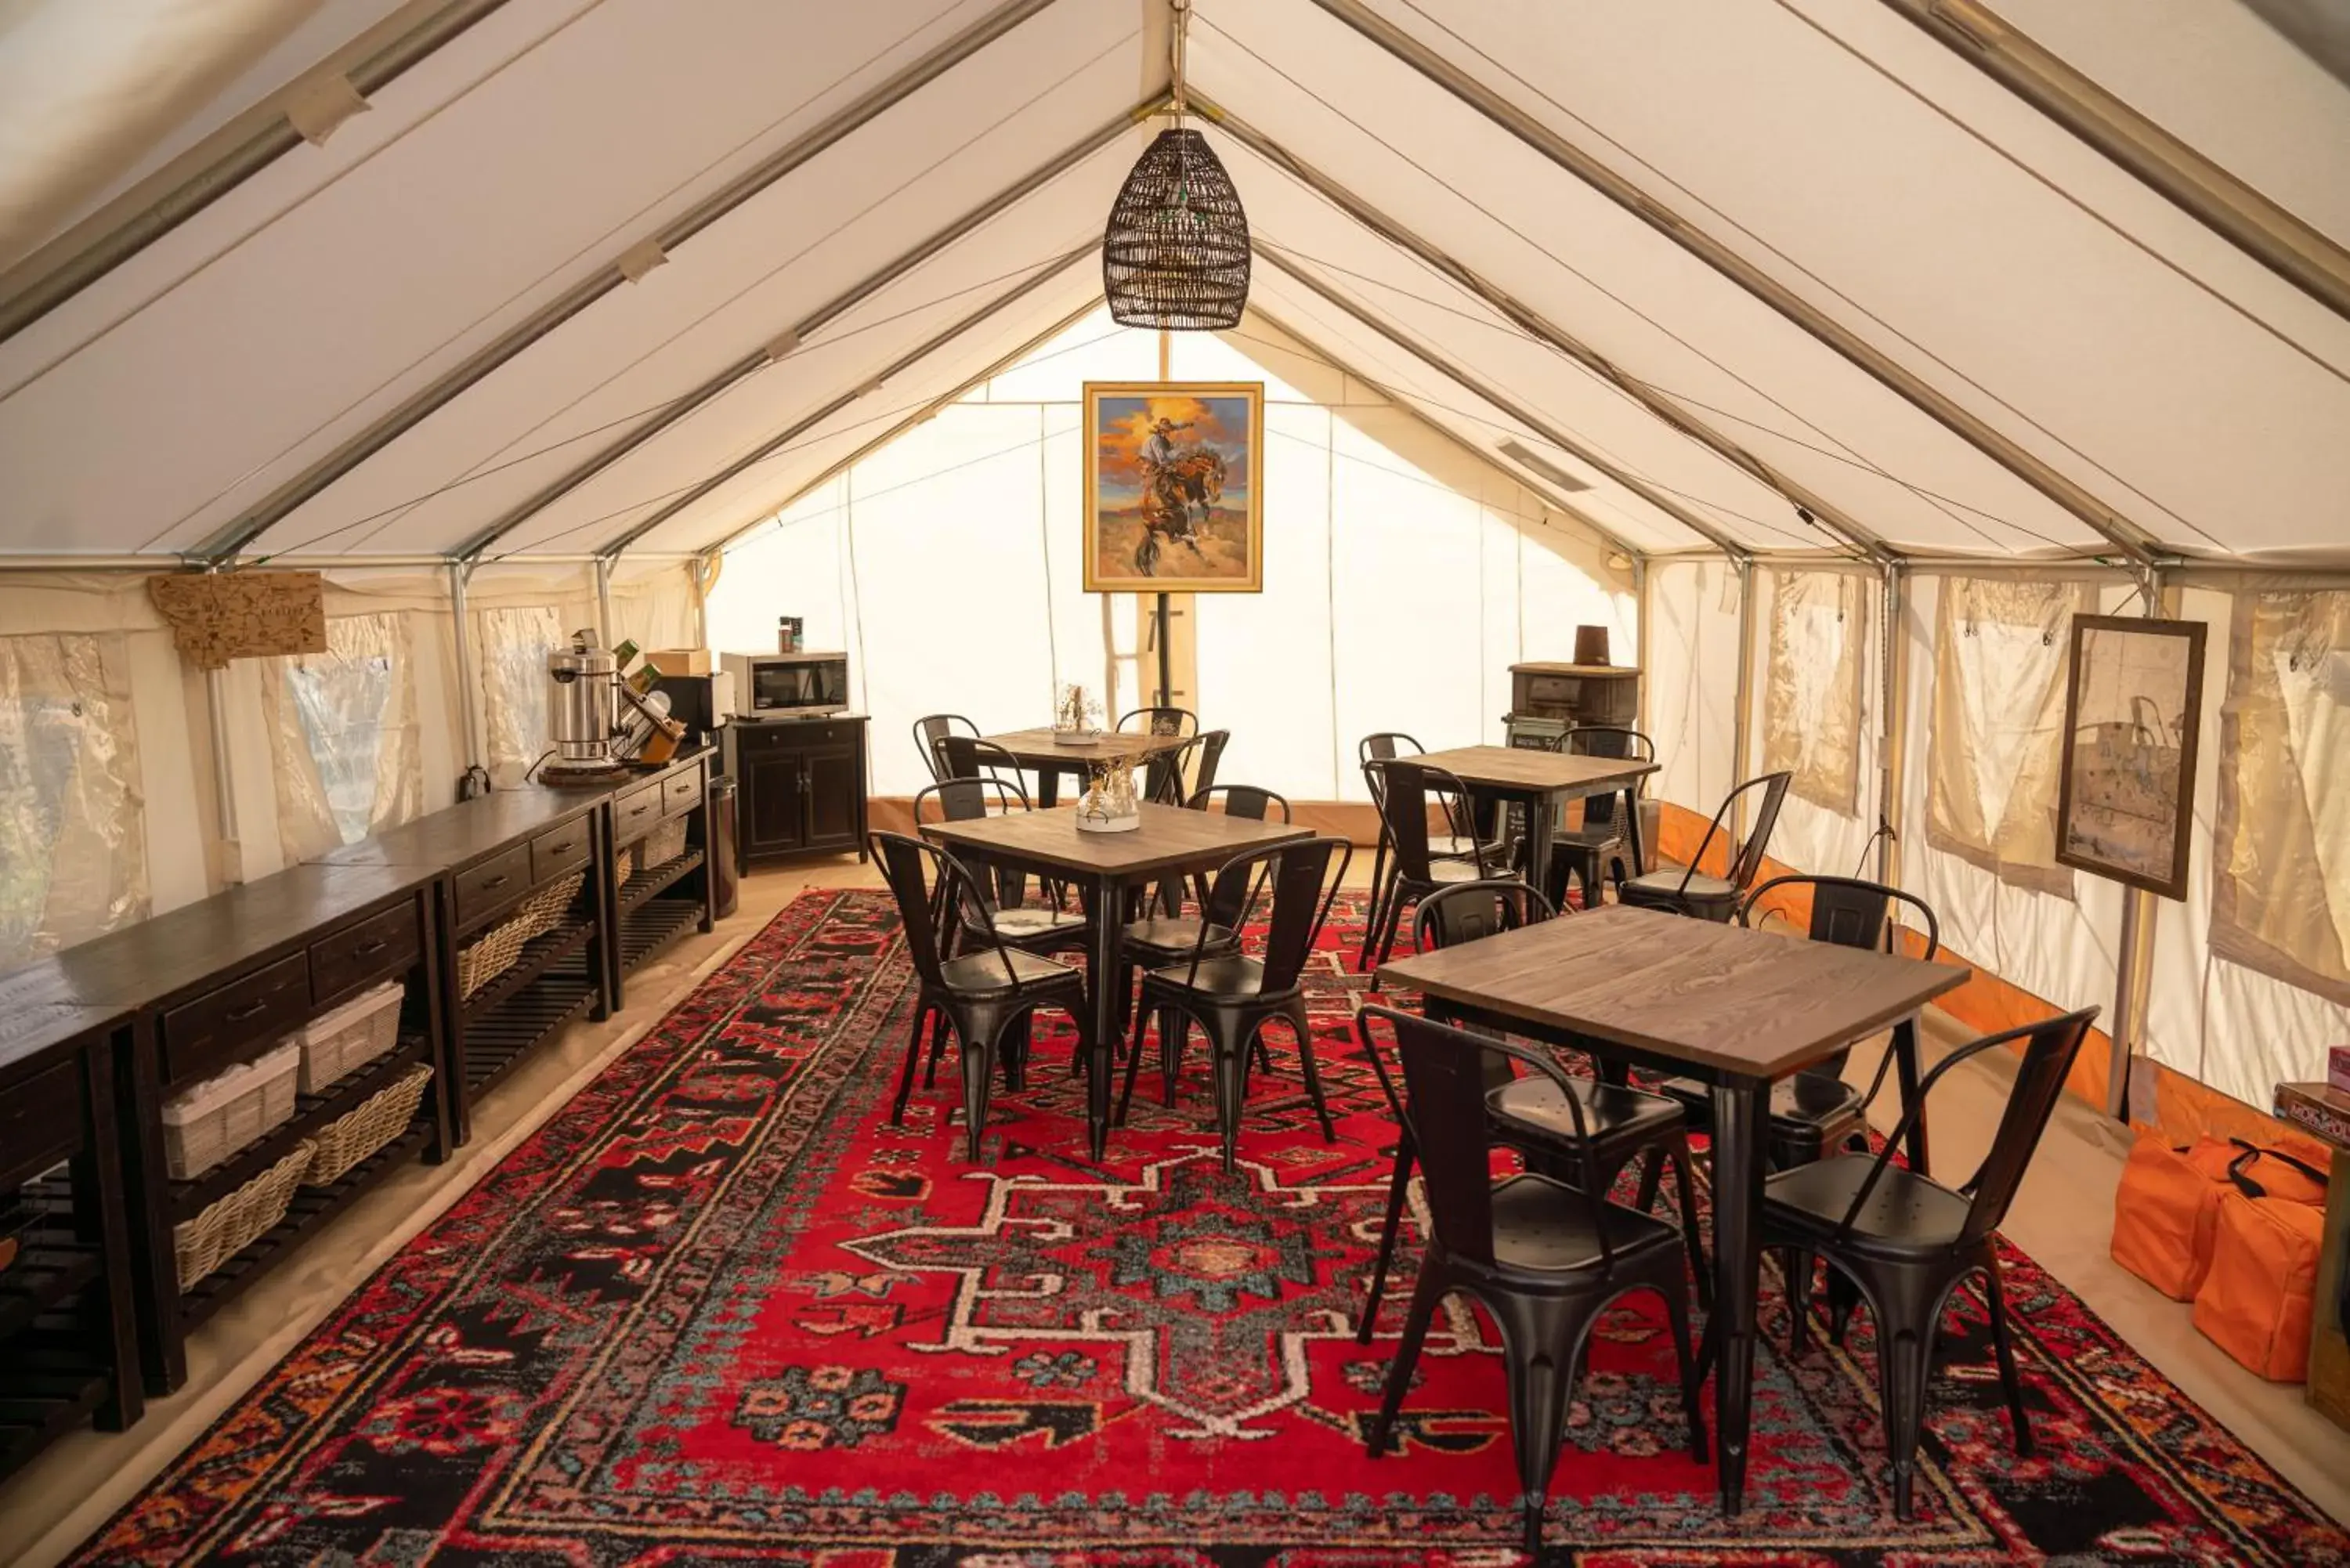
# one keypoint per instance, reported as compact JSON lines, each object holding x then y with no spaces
{"x":1921,"y":393}
{"x":1543,"y":330}
{"x":219,"y":164}
{"x":1431,"y":356}
{"x":1550,"y":495}
{"x":2256,"y":225}
{"x":927,"y":412}
{"x":284,"y":500}
{"x":903,"y":363}
{"x":786,"y":342}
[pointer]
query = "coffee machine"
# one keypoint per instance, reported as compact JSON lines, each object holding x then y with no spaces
{"x":599,"y":722}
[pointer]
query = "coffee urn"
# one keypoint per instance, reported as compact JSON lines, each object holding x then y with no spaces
{"x":579,"y":714}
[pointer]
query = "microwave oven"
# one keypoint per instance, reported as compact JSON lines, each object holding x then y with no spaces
{"x":787,"y":685}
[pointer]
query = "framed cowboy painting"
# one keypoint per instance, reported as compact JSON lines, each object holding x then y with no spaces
{"x":1172,"y":502}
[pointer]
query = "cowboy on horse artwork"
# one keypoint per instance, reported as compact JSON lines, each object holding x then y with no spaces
{"x":1171,"y":480}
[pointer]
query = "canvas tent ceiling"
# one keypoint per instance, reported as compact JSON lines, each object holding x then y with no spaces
{"x":1708,"y":261}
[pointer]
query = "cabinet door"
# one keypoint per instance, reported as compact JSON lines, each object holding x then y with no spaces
{"x":836,"y":782}
{"x":773,"y":805}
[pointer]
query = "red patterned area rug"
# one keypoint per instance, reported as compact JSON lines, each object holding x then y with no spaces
{"x":720,"y":1311}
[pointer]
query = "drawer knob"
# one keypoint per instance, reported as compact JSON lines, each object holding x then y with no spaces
{"x":368,"y":950}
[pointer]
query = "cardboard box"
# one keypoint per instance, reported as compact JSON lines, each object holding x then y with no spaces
{"x":2337,"y":1068}
{"x":680,"y":661}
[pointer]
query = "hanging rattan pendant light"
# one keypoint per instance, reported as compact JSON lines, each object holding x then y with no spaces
{"x":1175,"y":255}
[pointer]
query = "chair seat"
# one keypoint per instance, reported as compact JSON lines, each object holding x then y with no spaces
{"x":1540,"y":1226}
{"x":981,"y":974}
{"x":1444,"y":871}
{"x":1585,"y":839}
{"x":1666,"y":886}
{"x":1609,"y":1113}
{"x":1033,"y":920}
{"x":1803,"y":1106}
{"x":1175,"y":936}
{"x":1905,"y":1216}
{"x":1233,"y":976}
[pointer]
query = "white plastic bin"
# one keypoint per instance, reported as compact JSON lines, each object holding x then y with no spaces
{"x":337,"y":1043}
{"x":206,"y":1124}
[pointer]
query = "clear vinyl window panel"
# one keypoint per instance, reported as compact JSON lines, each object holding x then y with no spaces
{"x":1997,"y":739}
{"x":343,"y":735}
{"x":2281,"y":889}
{"x":1811,"y":704}
{"x":73,"y":851}
{"x":513,"y":644}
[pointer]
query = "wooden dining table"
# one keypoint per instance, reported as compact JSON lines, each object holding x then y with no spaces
{"x":1050,"y":758}
{"x":1171,"y":842}
{"x":1735,"y":1008}
{"x":1539,"y":780}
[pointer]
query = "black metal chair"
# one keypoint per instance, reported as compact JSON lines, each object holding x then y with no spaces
{"x":1690,"y":891}
{"x":1043,"y":927}
{"x":1907,"y":1241}
{"x":1402,"y":789}
{"x":1231,"y":996}
{"x":933,"y":728}
{"x":1545,"y":1257}
{"x":1173,"y":778}
{"x":1160,"y":721}
{"x":1239,"y":800}
{"x":982,"y":993}
{"x":1815,"y":1112}
{"x":1588,"y":853}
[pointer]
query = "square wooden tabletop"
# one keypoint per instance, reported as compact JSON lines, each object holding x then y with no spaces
{"x":1035,"y":747}
{"x":1748,"y":1004}
{"x":1522,"y":768}
{"x":1169,"y":839}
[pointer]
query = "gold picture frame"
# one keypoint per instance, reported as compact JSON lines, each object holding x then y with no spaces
{"x":1173,"y":497}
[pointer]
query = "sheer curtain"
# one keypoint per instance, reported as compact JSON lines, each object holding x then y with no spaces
{"x":343,"y":735}
{"x":73,"y":855}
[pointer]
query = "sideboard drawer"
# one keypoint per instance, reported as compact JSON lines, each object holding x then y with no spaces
{"x":635,"y":813}
{"x":495,"y":882}
{"x":559,"y":850}
{"x":368,"y":951}
{"x":683,"y":792}
{"x":217,"y":1028}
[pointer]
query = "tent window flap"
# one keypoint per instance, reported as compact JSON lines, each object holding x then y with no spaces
{"x":73,"y":853}
{"x":343,"y":735}
{"x":1812,"y":707}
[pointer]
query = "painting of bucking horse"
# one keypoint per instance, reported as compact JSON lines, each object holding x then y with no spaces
{"x":1173,"y":502}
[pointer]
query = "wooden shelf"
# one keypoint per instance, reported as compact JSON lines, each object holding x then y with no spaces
{"x":311,"y":1111}
{"x":654,"y":880}
{"x":653,"y":927}
{"x":313,"y":1207}
{"x":51,"y":1382}
{"x":52,"y":1267}
{"x":493,"y":1045}
{"x":539,"y":955}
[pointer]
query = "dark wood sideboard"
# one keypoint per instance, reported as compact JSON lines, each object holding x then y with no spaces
{"x":1576,"y":694}
{"x":803,"y":785}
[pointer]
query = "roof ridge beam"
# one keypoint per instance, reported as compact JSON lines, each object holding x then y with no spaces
{"x":412,"y":411}
{"x":1702,"y":527}
{"x":903,"y":363}
{"x":758,"y":360}
{"x":1921,"y":393}
{"x":1534,"y":325}
{"x":2263,"y":229}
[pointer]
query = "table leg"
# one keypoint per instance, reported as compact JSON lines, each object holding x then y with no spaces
{"x":1049,"y":786}
{"x":1632,"y":830}
{"x":1101,"y":982}
{"x":1538,"y":808}
{"x":1905,"y":1068}
{"x":1740,"y":1134}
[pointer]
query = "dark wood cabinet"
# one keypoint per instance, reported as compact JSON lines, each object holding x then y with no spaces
{"x":803,"y":786}
{"x":1576,"y":694}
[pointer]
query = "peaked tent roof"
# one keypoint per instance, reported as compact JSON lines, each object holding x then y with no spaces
{"x":1790,"y":276}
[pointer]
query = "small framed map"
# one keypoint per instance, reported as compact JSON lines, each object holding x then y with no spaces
{"x":1171,"y":499}
{"x":2133,"y":712}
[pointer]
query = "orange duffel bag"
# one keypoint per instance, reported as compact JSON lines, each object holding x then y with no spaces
{"x":2169,"y":1201}
{"x":2258,"y":1297}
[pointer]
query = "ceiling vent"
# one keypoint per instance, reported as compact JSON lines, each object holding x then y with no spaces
{"x":1534,"y":463}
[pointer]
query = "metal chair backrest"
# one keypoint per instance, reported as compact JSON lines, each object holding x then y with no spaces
{"x":1442,"y":1111}
{"x":1850,"y":911}
{"x":1748,"y":862}
{"x":1243,"y":800}
{"x":1162,"y":720}
{"x":1383,"y":747}
{"x":2050,"y":1046}
{"x":1606,"y":741}
{"x":924,"y":878}
{"x":1173,"y":778}
{"x":1402,"y":796}
{"x":1472,"y":911}
{"x":1304,"y":886}
{"x":969,"y":757}
{"x":968,"y":800}
{"x":933,"y":728}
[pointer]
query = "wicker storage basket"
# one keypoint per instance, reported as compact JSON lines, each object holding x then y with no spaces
{"x":502,"y":943}
{"x":336,"y":1045}
{"x":663,"y":845}
{"x":229,"y":1225}
{"x":624,"y":866}
{"x":206,"y":1124}
{"x":375,"y":1122}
